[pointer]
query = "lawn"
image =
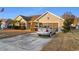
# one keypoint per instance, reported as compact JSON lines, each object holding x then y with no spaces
{"x":64,"y":42}
{"x":11,"y":33}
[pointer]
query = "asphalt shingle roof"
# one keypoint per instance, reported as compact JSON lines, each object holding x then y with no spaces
{"x":28,"y":18}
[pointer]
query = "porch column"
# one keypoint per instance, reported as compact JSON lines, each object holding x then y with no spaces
{"x":59,"y":27}
{"x":38,"y":24}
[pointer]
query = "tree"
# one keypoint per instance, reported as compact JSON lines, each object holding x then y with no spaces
{"x":69,"y":16}
{"x":10,"y":23}
{"x":67,"y":25}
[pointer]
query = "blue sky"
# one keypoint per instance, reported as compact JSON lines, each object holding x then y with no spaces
{"x":12,"y":12}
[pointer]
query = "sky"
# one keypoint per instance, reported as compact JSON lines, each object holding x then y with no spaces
{"x":13,"y":12}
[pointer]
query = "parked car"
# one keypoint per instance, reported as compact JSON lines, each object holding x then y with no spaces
{"x":46,"y":31}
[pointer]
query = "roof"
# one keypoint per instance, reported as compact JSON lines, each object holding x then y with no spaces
{"x":28,"y":18}
{"x":37,"y":17}
{"x":51,"y":14}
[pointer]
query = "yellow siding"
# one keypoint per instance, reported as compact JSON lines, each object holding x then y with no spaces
{"x":49,"y":18}
{"x":18,"y":18}
{"x":23,"y":20}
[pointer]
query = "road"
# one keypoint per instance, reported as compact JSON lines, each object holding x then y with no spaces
{"x":25,"y":42}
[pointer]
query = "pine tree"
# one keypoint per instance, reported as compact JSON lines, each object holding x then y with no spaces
{"x":67,"y":25}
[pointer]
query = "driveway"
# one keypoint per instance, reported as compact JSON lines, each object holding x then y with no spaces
{"x":25,"y":42}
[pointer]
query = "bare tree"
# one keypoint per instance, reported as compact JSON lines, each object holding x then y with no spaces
{"x":69,"y":16}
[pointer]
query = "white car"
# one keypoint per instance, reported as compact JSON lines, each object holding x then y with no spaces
{"x":46,"y":31}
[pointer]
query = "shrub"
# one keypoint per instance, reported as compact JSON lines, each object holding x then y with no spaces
{"x":22,"y":27}
{"x":67,"y":26}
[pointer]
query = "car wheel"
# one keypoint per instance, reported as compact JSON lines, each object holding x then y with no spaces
{"x":50,"y":34}
{"x":39,"y":34}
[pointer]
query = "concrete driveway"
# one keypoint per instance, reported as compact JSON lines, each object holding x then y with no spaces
{"x":25,"y":42}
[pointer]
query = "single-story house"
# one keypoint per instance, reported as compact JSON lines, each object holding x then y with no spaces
{"x":50,"y":20}
{"x":47,"y":18}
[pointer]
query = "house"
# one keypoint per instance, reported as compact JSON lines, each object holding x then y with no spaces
{"x":26,"y":20}
{"x":45,"y":19}
{"x":77,"y":23}
{"x":3,"y":24}
{"x":51,"y":20}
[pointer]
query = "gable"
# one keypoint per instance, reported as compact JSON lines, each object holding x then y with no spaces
{"x":49,"y":18}
{"x":18,"y":18}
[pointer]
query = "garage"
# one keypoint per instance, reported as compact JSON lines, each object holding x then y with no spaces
{"x":51,"y":20}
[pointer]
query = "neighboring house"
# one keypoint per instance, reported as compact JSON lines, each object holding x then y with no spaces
{"x":3,"y":24}
{"x":51,"y":20}
{"x":20,"y":20}
{"x":77,"y":24}
{"x":27,"y":20}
